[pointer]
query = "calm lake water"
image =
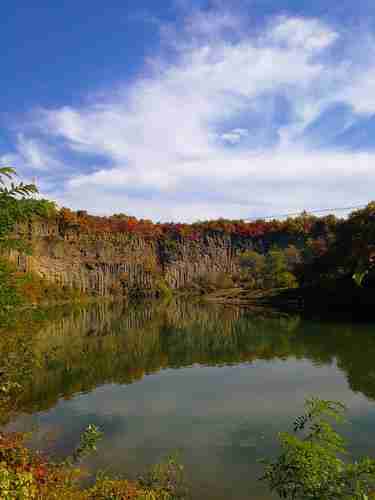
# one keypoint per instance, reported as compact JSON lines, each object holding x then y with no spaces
{"x":214,"y":384}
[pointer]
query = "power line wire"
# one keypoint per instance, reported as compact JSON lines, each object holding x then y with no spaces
{"x":313,"y":211}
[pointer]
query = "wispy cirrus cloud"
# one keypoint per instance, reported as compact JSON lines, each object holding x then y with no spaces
{"x":219,"y":126}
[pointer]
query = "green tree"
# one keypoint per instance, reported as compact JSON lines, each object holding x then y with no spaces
{"x":277,"y":274}
{"x":10,"y":189}
{"x":311,"y":465}
{"x":16,"y":204}
{"x":253,"y":266}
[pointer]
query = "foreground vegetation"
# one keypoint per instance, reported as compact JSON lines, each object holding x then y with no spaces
{"x":27,"y":475}
{"x":313,"y":465}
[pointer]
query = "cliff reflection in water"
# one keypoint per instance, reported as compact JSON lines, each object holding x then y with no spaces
{"x":118,"y":343}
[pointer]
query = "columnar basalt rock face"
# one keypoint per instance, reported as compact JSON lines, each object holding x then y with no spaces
{"x":120,"y":263}
{"x":193,"y":259}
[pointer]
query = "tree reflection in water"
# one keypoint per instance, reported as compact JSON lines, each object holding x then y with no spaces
{"x":118,"y":343}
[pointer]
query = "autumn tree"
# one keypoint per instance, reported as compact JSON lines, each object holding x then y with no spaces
{"x":349,"y":255}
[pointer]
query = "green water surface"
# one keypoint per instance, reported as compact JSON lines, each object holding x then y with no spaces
{"x":215,"y":384}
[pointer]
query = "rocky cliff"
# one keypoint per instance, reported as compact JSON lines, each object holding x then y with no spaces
{"x":106,"y":264}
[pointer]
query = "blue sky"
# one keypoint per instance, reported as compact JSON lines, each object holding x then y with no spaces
{"x":186,"y":110}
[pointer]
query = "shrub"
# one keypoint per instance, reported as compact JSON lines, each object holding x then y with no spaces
{"x":224,"y":281}
{"x":211,"y":281}
{"x":311,"y":464}
{"x":163,"y":289}
{"x":26,"y":475}
{"x":166,"y":481}
{"x":16,"y":485}
{"x":285,"y":279}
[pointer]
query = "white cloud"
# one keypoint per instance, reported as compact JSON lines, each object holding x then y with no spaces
{"x":234,"y":136}
{"x":360,"y":94}
{"x":159,"y":135}
{"x":31,"y":154}
{"x":308,"y":34}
